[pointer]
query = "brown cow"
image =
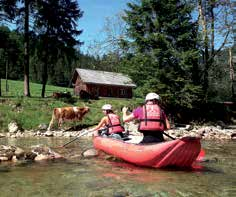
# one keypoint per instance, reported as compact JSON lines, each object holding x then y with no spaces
{"x":58,"y":95}
{"x":67,"y":114}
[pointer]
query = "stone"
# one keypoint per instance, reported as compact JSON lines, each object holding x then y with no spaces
{"x":67,"y":134}
{"x":3,"y":158}
{"x":14,"y":158}
{"x":188,"y":127}
{"x":43,"y":152}
{"x":58,"y":134}
{"x":48,"y":134}
{"x":233,"y":136}
{"x":43,"y":127}
{"x":2,"y":135}
{"x":41,"y":157}
{"x":221,"y":124}
{"x":13,"y":127}
{"x":19,"y":134}
{"x":90,"y":153}
{"x":30,"y":156}
{"x":19,"y":153}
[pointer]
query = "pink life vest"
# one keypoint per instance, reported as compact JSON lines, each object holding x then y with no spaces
{"x":152,"y":118}
{"x":114,"y":124}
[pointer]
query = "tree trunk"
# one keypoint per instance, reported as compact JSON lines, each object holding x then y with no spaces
{"x":7,"y":65}
{"x":44,"y":78}
{"x":231,"y":72}
{"x":26,"y":50}
{"x":212,"y":28}
{"x":45,"y":70}
{"x":203,"y":22}
{"x":0,"y":87}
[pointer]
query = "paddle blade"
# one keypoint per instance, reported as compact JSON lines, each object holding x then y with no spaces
{"x":201,"y":156}
{"x":80,"y":135}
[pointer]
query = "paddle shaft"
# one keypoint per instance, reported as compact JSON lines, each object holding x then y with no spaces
{"x":80,"y":135}
{"x":169,"y":136}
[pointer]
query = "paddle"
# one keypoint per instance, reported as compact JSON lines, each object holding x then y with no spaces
{"x":169,"y":136}
{"x":200,"y":156}
{"x":80,"y":135}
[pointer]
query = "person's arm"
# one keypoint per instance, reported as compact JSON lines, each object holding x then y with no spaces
{"x":127,"y":117}
{"x":167,"y":124}
{"x":101,"y":124}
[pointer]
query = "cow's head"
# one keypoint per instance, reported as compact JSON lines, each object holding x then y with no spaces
{"x":82,"y":112}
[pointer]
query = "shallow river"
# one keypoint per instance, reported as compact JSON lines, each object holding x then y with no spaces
{"x":97,"y":177}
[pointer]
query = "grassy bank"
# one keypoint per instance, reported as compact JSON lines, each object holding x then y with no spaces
{"x":30,"y":112}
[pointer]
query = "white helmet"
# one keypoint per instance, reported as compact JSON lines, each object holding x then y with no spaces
{"x":152,"y":96}
{"x":106,"y":107}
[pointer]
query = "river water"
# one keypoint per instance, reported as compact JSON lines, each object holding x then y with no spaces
{"x":99,"y":177}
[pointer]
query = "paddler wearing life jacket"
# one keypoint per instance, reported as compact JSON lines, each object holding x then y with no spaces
{"x":152,"y":119}
{"x":110,"y":124}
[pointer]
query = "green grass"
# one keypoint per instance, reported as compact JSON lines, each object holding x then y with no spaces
{"x":30,"y":112}
{"x":16,"y":89}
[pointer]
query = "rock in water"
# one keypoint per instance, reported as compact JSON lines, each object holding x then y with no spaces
{"x":90,"y":153}
{"x":44,"y":153}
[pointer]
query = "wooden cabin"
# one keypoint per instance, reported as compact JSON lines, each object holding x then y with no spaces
{"x":95,"y":83}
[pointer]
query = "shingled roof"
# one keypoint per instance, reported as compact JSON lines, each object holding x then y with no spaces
{"x":103,"y":77}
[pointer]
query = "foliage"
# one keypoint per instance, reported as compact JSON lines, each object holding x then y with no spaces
{"x":156,"y":45}
{"x":59,"y":73}
{"x":56,"y":28}
{"x":219,"y":81}
{"x":215,"y":35}
{"x":55,"y":25}
{"x":30,"y":112}
{"x":163,"y":50}
{"x":11,"y":50}
{"x":7,"y":9}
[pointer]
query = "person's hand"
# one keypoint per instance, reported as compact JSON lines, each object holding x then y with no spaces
{"x":95,"y":134}
{"x":124,"y":110}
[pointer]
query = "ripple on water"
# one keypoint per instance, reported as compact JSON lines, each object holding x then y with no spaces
{"x":84,"y":177}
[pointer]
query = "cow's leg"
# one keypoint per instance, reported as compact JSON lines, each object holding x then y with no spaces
{"x":51,"y":122}
{"x":60,"y":121}
{"x":74,"y":123}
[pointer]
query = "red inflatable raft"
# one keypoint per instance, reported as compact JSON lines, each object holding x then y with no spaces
{"x":180,"y":152}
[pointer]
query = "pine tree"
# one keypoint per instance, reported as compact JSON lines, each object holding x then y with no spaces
{"x":162,"y":50}
{"x":8,"y":11}
{"x":56,"y":27}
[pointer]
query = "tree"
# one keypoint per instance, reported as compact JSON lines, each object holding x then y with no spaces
{"x":107,"y":48}
{"x":12,"y":9}
{"x":11,"y":51}
{"x":54,"y":24}
{"x":56,"y":27}
{"x":215,"y":26}
{"x":7,"y":10}
{"x":26,"y":48}
{"x":233,"y":51}
{"x":162,"y":50}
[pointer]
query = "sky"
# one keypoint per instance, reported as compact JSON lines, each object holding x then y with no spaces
{"x":93,"y":19}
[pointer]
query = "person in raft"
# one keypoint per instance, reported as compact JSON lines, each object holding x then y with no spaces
{"x":110,"y":124}
{"x":152,"y":119}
